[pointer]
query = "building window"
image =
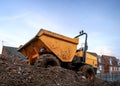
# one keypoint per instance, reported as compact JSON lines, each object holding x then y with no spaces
{"x":110,"y":69}
{"x":100,"y":67}
{"x":99,"y":59}
{"x":119,"y":62}
{"x":110,"y":60}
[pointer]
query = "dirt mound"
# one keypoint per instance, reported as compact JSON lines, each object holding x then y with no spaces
{"x":15,"y":72}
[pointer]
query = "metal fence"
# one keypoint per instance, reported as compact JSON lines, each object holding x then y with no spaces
{"x":109,"y":76}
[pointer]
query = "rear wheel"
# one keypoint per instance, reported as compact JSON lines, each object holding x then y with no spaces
{"x":47,"y":60}
{"x":87,"y":71}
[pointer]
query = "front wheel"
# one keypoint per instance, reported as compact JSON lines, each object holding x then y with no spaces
{"x":87,"y":71}
{"x":47,"y":60}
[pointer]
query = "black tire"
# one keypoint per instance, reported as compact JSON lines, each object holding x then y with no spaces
{"x":47,"y":60}
{"x":87,"y":71}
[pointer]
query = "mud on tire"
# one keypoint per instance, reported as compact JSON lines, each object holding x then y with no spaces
{"x":47,"y":60}
{"x":87,"y":71}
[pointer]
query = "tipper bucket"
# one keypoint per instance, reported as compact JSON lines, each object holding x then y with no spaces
{"x":63,"y":47}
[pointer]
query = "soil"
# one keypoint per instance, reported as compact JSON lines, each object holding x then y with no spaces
{"x":16,"y":72}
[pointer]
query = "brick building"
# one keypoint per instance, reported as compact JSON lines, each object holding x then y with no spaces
{"x":109,"y":64}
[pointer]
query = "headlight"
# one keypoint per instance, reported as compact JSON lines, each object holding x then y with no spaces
{"x":42,"y":50}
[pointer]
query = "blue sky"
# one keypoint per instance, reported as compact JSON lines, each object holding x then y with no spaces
{"x":20,"y":20}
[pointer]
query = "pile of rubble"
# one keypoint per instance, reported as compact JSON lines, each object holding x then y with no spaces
{"x":16,"y":72}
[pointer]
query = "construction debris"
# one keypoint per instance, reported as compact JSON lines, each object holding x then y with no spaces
{"x":15,"y":71}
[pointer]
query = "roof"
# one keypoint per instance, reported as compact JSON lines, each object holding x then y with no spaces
{"x":13,"y":51}
{"x":108,"y":58}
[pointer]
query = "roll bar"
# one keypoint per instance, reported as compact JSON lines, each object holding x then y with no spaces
{"x":81,"y":33}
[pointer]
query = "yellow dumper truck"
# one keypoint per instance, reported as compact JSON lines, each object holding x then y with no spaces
{"x":51,"y":49}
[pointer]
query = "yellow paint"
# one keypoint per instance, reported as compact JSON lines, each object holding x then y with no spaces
{"x":91,"y":59}
{"x":80,"y":53}
{"x":63,"y":47}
